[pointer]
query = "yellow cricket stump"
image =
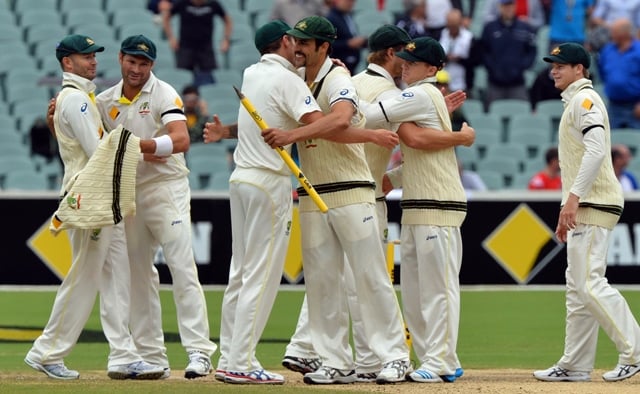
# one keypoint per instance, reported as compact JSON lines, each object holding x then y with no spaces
{"x":390,"y":269}
{"x":284,"y":154}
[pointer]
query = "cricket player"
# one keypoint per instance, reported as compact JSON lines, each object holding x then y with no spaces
{"x":592,"y":203}
{"x":152,"y":109}
{"x":99,"y":259}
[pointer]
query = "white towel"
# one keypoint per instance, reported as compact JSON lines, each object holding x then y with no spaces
{"x":103,"y":193}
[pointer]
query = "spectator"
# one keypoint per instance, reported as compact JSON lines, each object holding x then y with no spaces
{"x":194,"y":46}
{"x":291,"y":11}
{"x":195,"y":109}
{"x":42,"y":141}
{"x":509,"y":49}
{"x":471,"y":180}
{"x":621,"y":156}
{"x":549,"y":177}
{"x":608,"y":11}
{"x":567,"y":22}
{"x":527,"y":11}
{"x":349,"y":42}
{"x":414,"y":19}
{"x":619,"y":68}
{"x":456,"y":41}
{"x":437,"y":11}
{"x":543,"y":88}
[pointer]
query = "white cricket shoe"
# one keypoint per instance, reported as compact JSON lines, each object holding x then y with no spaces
{"x":259,"y":376}
{"x":558,"y":374}
{"x":137,"y":370}
{"x":328,"y":375}
{"x":394,"y":372}
{"x":199,"y":365}
{"x":621,"y":372}
{"x":55,"y":371}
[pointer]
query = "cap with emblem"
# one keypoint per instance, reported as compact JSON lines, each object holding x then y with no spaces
{"x":139,"y":46}
{"x":569,"y":53}
{"x":424,"y":49}
{"x":76,"y":43}
{"x":270,"y":32}
{"x":314,"y":27}
{"x":388,"y":36}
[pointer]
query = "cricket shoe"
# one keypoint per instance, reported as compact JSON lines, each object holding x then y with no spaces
{"x":558,"y":374}
{"x":259,"y":376}
{"x":166,"y":372}
{"x":424,"y":375}
{"x":301,"y":364}
{"x":138,"y":370}
{"x":452,"y":378}
{"x":394,"y":372}
{"x":366,"y":377}
{"x":55,"y":371}
{"x":621,"y":372}
{"x":199,"y":365}
{"x":220,"y":374}
{"x":328,"y":375}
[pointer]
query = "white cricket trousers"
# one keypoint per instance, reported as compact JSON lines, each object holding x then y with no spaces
{"x":261,"y":207}
{"x":163,"y":217}
{"x":429,"y":279}
{"x":100,"y":263}
{"x":591,"y":303}
{"x":350,"y":231}
{"x":365,"y":359}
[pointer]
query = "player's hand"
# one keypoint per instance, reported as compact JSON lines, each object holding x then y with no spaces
{"x":386,"y":184}
{"x":150,"y":157}
{"x":384,"y":138}
{"x":567,"y":217}
{"x":455,"y":100}
{"x":51,"y":108}
{"x":468,"y":132}
{"x":340,"y":63}
{"x":276,"y":137}
{"x":213,"y":131}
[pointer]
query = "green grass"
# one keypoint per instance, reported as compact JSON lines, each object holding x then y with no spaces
{"x":498,"y":329}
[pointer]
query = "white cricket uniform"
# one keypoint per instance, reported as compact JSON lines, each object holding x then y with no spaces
{"x":434,"y":206}
{"x":584,"y":148}
{"x":163,"y":219}
{"x":340,"y":174}
{"x":261,"y":203}
{"x":99,"y":259}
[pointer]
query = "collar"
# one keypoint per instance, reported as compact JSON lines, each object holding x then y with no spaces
{"x":377,"y":69}
{"x":81,"y":83}
{"x":432,"y":80}
{"x":574,"y":88}
{"x":275,"y":58}
{"x":324,"y":69}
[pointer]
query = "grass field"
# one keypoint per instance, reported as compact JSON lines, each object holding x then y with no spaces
{"x":515,"y":329}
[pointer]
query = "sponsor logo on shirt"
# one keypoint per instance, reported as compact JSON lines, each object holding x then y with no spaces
{"x":366,"y":219}
{"x":307,"y":100}
{"x":83,"y":108}
{"x":344,"y":92}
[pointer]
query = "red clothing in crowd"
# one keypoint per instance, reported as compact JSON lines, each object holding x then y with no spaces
{"x":542,"y":181}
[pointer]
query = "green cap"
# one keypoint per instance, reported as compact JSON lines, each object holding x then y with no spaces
{"x":270,"y":32}
{"x":317,"y":27}
{"x":139,"y":46}
{"x":424,"y":49}
{"x":388,"y":36}
{"x":76,"y":43}
{"x":569,"y":53}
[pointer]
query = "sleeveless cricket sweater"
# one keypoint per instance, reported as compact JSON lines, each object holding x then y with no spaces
{"x":338,"y":172}
{"x":370,"y":84}
{"x":432,"y":193}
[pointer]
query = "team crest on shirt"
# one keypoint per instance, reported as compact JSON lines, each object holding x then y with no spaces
{"x":144,"y":108}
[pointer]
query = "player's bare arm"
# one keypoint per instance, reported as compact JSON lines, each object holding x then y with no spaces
{"x":175,"y":141}
{"x":215,"y":131}
{"x":431,"y":139}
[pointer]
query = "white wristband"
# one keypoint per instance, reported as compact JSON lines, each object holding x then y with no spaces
{"x":164,"y":146}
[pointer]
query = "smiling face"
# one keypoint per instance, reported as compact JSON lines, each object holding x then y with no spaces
{"x":565,"y":74}
{"x":309,"y":53}
{"x":136,"y":70}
